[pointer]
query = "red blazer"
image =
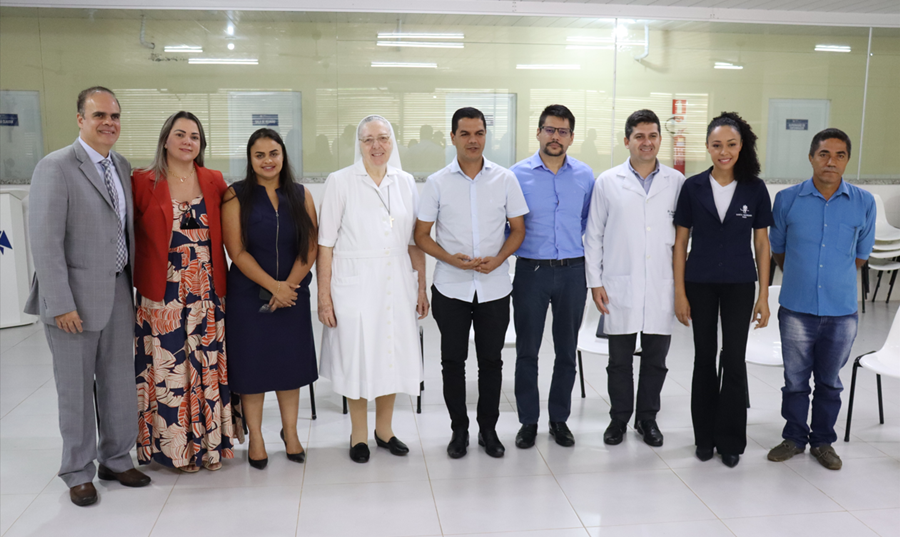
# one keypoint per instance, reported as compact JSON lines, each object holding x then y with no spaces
{"x":153,"y":230}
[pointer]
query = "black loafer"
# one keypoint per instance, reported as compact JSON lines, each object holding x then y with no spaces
{"x":458,"y":443}
{"x":560,"y":431}
{"x":704,"y":454}
{"x":615,"y":432}
{"x":491,"y":444}
{"x":293,"y":457}
{"x":731,"y":460}
{"x":359,"y":452}
{"x":650,"y":431}
{"x":395,"y":445}
{"x":526,"y":435}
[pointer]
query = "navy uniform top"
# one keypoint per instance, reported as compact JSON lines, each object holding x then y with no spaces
{"x":720,"y":250}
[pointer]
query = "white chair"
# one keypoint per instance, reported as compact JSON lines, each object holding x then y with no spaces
{"x":509,"y":340}
{"x":588,"y":341}
{"x":884,"y":261}
{"x":764,"y":344}
{"x":883,"y":230}
{"x":881,"y":362}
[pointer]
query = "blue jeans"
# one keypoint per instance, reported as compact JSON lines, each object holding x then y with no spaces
{"x":536,"y":287}
{"x":820,"y":346}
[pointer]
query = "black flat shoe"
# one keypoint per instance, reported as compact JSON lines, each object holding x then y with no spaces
{"x":293,"y":457}
{"x":615,"y":432}
{"x":704,"y":454}
{"x":731,"y":460}
{"x":456,"y":449}
{"x":649,"y":430}
{"x":491,"y":444}
{"x":359,"y":452}
{"x":526,"y":435}
{"x":561,"y":433}
{"x":394,"y":444}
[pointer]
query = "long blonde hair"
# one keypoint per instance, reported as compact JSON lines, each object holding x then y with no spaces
{"x":160,"y":164}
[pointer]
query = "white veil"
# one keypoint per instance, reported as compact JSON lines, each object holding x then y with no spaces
{"x":394,"y":159}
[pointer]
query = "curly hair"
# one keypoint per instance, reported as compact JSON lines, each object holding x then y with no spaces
{"x":747,"y":167}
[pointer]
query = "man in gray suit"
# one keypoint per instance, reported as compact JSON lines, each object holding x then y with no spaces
{"x":82,"y":239}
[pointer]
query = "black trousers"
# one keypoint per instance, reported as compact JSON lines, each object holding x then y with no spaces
{"x":490,"y":319}
{"x":719,"y":413}
{"x":620,"y":376}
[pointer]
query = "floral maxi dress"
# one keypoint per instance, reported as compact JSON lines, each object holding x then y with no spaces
{"x":185,"y":407}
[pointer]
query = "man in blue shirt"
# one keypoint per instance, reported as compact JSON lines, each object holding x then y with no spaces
{"x":550,"y":271}
{"x":824,"y":231}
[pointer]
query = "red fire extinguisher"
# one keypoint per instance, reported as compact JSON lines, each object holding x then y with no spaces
{"x":679,"y":109}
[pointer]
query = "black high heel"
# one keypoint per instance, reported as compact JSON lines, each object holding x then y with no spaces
{"x":293,"y":457}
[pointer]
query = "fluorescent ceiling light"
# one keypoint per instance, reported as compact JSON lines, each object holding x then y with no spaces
{"x":549,"y":66}
{"x":419,"y":44}
{"x":224,"y":61}
{"x":420,"y":65}
{"x":419,"y":35}
{"x":588,"y":39}
{"x":727,"y":65}
{"x":229,"y":29}
{"x":832,"y":48}
{"x":230,"y":46}
{"x":183,"y":48}
{"x":589,"y":47}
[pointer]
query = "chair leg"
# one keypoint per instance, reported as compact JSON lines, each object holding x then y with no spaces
{"x":772,"y":266}
{"x":421,"y":384}
{"x":891,"y":287}
{"x":880,"y":401}
{"x":850,"y":403}
{"x":345,"y":405}
{"x":747,"y":389}
{"x":97,"y":407}
{"x":312,"y":400}
{"x":581,"y":373}
{"x":877,"y":285}
{"x":865,"y":284}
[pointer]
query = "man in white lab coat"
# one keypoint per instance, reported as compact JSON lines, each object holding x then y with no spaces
{"x":628,"y":264}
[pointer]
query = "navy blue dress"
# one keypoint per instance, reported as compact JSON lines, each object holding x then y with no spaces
{"x":268,"y":351}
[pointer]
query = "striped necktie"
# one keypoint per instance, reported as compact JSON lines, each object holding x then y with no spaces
{"x":121,"y":247}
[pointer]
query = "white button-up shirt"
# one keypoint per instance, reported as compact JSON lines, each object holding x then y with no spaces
{"x":470,"y":216}
{"x":97,"y":158}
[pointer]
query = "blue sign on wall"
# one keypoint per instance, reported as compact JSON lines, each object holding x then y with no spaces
{"x":797,"y":125}
{"x":265,"y":120}
{"x":9,"y":120}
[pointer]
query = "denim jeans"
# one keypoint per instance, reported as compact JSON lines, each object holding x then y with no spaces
{"x":819,"y":346}
{"x":536,"y":287}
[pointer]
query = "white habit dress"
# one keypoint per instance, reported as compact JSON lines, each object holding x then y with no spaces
{"x":374,"y":349}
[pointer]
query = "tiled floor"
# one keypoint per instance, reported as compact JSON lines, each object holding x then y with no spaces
{"x":549,"y":491}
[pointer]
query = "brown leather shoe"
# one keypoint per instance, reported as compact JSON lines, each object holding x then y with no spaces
{"x":83,"y":495}
{"x":129,"y":478}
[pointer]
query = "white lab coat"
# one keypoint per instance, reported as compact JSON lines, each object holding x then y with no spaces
{"x":628,"y":249}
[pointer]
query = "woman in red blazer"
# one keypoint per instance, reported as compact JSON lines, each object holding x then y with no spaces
{"x":186,"y":415}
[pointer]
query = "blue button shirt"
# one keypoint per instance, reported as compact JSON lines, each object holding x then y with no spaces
{"x":558,"y":207}
{"x":821,"y":240}
{"x":644,"y":182}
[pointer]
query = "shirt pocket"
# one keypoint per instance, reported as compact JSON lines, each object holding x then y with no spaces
{"x":846,"y":239}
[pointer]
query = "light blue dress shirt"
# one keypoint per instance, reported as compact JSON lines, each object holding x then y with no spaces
{"x":558,"y":207}
{"x":821,"y":240}
{"x":645,"y":183}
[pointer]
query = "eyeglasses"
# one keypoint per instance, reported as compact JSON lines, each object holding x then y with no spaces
{"x":383,"y":139}
{"x":550,"y":131}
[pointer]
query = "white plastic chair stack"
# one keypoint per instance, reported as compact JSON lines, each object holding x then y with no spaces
{"x":884,"y":257}
{"x":588,"y":340}
{"x":764,"y":344}
{"x":885,"y":361}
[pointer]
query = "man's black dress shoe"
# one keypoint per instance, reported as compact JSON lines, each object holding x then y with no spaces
{"x":704,"y":454}
{"x":560,"y":431}
{"x":491,"y":443}
{"x":615,"y":432}
{"x":731,"y":460}
{"x":650,"y":431}
{"x":526,"y":435}
{"x":293,"y":457}
{"x":394,"y":444}
{"x":458,"y":443}
{"x":83,"y":495}
{"x":359,"y":452}
{"x":128,"y":478}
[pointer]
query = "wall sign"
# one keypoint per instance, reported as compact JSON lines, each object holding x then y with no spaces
{"x":797,"y":124}
{"x":265,"y":120}
{"x":9,"y":120}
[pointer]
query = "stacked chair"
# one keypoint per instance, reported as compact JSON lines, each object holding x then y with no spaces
{"x":886,"y":255}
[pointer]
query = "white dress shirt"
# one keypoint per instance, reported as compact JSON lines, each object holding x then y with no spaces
{"x":97,"y":158}
{"x":470,"y":216}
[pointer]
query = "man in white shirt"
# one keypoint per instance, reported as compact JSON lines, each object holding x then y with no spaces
{"x":471,"y":200}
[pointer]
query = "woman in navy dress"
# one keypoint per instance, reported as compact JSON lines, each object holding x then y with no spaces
{"x":721,"y":209}
{"x":269,"y":227}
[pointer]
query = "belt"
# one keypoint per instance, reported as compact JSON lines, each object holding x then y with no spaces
{"x":553,"y":262}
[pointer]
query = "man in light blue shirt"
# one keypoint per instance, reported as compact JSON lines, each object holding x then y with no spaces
{"x":824,"y":231}
{"x":550,"y":270}
{"x":471,"y":201}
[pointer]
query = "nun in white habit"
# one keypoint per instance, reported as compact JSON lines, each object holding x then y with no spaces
{"x":371,"y":281}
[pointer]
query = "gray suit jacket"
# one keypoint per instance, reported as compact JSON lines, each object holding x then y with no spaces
{"x":73,"y":232}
